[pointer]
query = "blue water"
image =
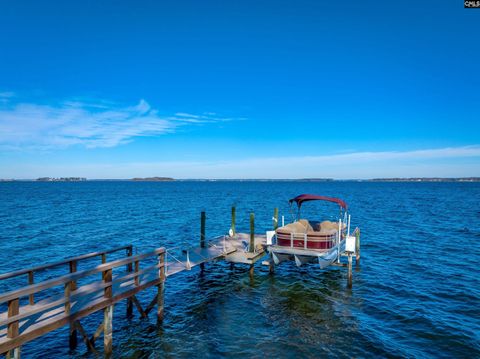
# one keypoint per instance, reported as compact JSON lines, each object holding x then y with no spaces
{"x":416,"y":293}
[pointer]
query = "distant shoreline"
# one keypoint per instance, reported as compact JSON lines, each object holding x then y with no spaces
{"x":170,"y":179}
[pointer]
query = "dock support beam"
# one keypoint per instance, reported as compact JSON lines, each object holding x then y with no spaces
{"x":161,"y":287}
{"x":349,"y":284}
{"x":251,"y":247}
{"x":107,"y":315}
{"x":203,"y":219}
{"x":271,"y":265}
{"x":13,"y":328}
{"x":129,"y":270}
{"x":275,"y":218}
{"x":13,"y":354}
{"x":73,"y":340}
{"x":357,"y":247}
{"x":233,"y":221}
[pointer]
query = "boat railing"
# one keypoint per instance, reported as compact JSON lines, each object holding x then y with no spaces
{"x":294,"y":238}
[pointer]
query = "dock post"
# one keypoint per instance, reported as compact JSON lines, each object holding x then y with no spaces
{"x":107,"y":315}
{"x":349,"y":270}
{"x":31,"y":298}
{"x":161,"y":287}
{"x":129,"y":270}
{"x":357,"y":247}
{"x":271,"y":264}
{"x":275,"y":218}
{"x":339,"y":236}
{"x":73,"y":340}
{"x":232,"y":227}
{"x":251,"y":247}
{"x":203,"y":218}
{"x":13,"y":328}
{"x":271,"y":268}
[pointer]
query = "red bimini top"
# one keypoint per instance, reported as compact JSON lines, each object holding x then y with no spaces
{"x":312,"y":197}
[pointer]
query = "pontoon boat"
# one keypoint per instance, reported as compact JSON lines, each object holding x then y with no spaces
{"x":312,"y":241}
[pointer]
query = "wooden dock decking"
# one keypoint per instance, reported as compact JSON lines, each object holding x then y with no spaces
{"x":240,"y":242}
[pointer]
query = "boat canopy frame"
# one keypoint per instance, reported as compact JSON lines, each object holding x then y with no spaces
{"x":300,"y":199}
{"x":313,"y":197}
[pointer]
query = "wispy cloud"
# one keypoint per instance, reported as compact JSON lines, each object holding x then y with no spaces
{"x":7,"y":94}
{"x":89,"y":124}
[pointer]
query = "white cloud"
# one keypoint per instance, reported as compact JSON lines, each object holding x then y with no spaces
{"x":7,"y":94}
{"x":98,"y":124}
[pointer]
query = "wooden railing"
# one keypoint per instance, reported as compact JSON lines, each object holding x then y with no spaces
{"x":72,"y":263}
{"x":27,"y":322}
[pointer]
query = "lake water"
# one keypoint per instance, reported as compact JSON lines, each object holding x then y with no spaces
{"x":416,"y":293}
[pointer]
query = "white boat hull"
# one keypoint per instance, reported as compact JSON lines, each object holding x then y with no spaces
{"x":301,"y":256}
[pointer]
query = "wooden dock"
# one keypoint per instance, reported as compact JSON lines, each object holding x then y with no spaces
{"x":39,"y":307}
{"x":65,"y":302}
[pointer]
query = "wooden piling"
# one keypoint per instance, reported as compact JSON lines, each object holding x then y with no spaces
{"x":13,"y":328}
{"x":73,"y":269}
{"x":251,"y":247}
{"x":275,"y":218}
{"x":31,"y":298}
{"x":129,"y":270}
{"x":349,"y":270}
{"x":251,"y":270}
{"x":161,"y":287}
{"x":203,"y":219}
{"x":202,"y":229}
{"x":104,"y":260}
{"x":137,"y":268}
{"x":271,"y":265}
{"x":357,"y":247}
{"x":73,"y":339}
{"x":233,"y":221}
{"x":107,"y":315}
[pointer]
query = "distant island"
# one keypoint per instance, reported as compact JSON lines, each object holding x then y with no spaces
{"x":317,"y":179}
{"x":427,"y":179}
{"x":61,"y":179}
{"x":170,"y":179}
{"x":153,"y":179}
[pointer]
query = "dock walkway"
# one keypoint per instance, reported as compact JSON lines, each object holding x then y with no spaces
{"x":66,"y":299}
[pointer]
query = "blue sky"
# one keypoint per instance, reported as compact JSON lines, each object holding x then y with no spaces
{"x":239,"y":89}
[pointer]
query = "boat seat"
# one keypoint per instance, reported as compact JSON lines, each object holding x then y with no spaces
{"x":326,"y":232}
{"x":304,"y":226}
{"x":295,"y":227}
{"x":327,"y":225}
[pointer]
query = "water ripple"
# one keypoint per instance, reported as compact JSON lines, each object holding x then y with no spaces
{"x":417,"y":293}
